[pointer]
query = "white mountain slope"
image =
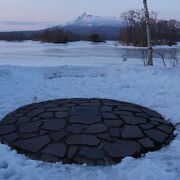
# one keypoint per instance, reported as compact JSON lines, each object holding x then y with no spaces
{"x":108,"y":27}
{"x":91,"y":20}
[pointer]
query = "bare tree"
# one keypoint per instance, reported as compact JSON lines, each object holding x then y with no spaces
{"x":173,"y":57}
{"x":143,"y":52}
{"x":150,"y":49}
{"x":162,"y":54}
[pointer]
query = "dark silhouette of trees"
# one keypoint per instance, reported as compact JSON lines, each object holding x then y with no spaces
{"x":56,"y":36}
{"x":96,"y":38}
{"x":13,"y":36}
{"x":166,"y":32}
{"x":163,"y":32}
{"x":48,"y":35}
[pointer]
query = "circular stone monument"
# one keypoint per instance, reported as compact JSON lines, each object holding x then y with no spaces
{"x":91,"y":131}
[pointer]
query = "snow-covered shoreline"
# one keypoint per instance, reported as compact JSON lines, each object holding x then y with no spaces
{"x":155,"y":87}
{"x":31,"y":53}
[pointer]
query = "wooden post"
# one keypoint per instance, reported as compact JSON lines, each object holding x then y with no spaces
{"x":150,"y":49}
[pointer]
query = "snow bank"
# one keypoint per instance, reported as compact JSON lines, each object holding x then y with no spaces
{"x":83,"y":69}
{"x":155,"y":87}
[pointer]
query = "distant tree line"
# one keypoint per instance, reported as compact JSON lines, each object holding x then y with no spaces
{"x":96,"y":38}
{"x":163,"y":32}
{"x":15,"y":36}
{"x":56,"y":36}
{"x":52,"y":35}
{"x":61,"y":36}
{"x":48,"y":35}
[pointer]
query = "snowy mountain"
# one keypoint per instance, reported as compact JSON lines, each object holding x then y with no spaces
{"x":90,"y":20}
{"x":84,"y":25}
{"x":108,"y":28}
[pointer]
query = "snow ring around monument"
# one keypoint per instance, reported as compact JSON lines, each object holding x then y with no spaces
{"x":91,"y":131}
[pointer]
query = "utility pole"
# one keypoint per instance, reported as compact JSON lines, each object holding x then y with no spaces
{"x":149,"y":41}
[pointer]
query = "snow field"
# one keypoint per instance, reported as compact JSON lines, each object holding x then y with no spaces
{"x":155,"y":87}
{"x":34,"y":72}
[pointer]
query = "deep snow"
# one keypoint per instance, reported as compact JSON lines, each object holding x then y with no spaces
{"x":155,"y":87}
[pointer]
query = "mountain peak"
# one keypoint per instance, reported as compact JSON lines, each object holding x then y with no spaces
{"x":84,"y":15}
{"x":90,"y":20}
{"x":86,"y":24}
{"x":86,"y":20}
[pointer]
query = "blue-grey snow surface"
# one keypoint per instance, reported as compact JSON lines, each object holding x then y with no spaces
{"x":155,"y":87}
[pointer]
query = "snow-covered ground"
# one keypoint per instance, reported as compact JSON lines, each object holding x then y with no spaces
{"x":86,"y":70}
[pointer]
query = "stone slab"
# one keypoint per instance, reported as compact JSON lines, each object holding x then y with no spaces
{"x":90,"y":131}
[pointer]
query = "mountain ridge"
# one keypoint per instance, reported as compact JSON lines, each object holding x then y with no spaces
{"x":91,"y":20}
{"x":108,"y":28}
{"x":82,"y":27}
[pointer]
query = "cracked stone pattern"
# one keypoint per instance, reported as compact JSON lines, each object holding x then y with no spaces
{"x":91,"y":131}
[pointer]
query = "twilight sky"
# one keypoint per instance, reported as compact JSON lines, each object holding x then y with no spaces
{"x":35,"y":14}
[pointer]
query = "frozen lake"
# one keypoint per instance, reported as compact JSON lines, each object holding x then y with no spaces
{"x":84,"y":53}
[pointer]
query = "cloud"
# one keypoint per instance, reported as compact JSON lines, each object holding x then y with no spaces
{"x":21,"y":23}
{"x":21,"y":26}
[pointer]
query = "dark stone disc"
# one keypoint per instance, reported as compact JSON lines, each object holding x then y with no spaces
{"x":91,"y":131}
